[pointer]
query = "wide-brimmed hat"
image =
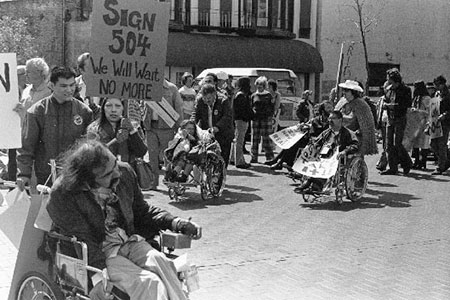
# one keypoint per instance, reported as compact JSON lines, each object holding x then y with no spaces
{"x":351,"y":85}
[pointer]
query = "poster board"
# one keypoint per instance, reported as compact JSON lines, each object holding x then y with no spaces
{"x":287,"y":137}
{"x":128,"y":49}
{"x":435,"y":128}
{"x":10,"y":136}
{"x":317,"y":168}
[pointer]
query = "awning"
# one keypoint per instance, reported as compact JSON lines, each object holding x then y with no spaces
{"x":211,"y":51}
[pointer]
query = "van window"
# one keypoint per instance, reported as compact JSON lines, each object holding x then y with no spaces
{"x":286,"y":87}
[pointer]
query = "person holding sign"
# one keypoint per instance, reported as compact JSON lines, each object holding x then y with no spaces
{"x":52,"y":125}
{"x":439,"y":144}
{"x":117,"y":132}
{"x":337,"y":137}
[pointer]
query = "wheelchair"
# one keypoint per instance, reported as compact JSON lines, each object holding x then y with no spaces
{"x":209,"y":173}
{"x":346,"y":175}
{"x":44,"y":272}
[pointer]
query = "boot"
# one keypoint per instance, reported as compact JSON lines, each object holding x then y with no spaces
{"x":423,"y":161}
{"x":417,"y":163}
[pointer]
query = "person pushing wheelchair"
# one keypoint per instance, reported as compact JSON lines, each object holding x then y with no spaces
{"x":97,"y":199}
{"x":335,"y":136}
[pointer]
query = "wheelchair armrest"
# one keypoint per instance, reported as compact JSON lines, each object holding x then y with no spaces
{"x":62,"y":237}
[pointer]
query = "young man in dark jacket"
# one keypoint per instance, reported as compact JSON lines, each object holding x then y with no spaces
{"x":398,"y":100}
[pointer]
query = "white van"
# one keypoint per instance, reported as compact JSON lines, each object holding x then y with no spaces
{"x":288,"y":86}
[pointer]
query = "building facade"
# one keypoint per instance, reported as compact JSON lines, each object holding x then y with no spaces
{"x":202,"y":34}
{"x":410,"y":35}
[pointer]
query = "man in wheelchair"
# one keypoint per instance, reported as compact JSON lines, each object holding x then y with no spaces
{"x":97,"y":199}
{"x":335,"y":136}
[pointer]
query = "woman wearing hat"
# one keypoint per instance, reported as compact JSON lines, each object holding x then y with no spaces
{"x":358,"y":117}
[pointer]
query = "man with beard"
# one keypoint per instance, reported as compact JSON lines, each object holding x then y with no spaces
{"x":97,"y":199}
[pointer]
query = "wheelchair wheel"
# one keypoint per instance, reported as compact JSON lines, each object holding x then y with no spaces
{"x":204,"y":191}
{"x":36,"y":286}
{"x":356,"y":179}
{"x":215,"y":175}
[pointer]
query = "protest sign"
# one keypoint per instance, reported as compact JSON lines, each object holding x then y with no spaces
{"x":128,"y":49}
{"x":414,"y":131}
{"x":165,"y":111}
{"x":287,"y":137}
{"x":435,"y":128}
{"x":10,"y":137}
{"x":323,"y":168}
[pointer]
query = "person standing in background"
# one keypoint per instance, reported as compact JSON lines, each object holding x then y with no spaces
{"x":187,"y":94}
{"x":262,"y":122}
{"x":439,"y":144}
{"x":158,"y":133}
{"x":12,"y":153}
{"x":242,"y":113}
{"x":37,"y":74}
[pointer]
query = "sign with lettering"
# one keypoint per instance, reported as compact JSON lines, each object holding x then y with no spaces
{"x":128,"y":49}
{"x":10,"y":135}
{"x":435,"y":128}
{"x":317,"y":168}
{"x":287,"y":137}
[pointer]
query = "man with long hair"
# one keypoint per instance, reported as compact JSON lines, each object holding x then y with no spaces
{"x":98,"y":200}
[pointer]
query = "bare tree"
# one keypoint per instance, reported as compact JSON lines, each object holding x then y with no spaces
{"x":366,"y":20}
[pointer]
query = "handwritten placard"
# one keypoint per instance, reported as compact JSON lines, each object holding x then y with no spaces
{"x":128,"y":49}
{"x":287,"y":137}
{"x":10,"y":136}
{"x":317,"y":168}
{"x":435,"y":125}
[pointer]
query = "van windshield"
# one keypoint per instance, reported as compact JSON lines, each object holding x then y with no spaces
{"x":286,"y":87}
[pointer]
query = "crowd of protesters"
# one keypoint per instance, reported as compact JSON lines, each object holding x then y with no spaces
{"x":55,"y":111}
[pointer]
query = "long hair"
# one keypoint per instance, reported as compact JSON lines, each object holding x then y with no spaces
{"x":187,"y":122}
{"x":420,"y":89}
{"x":243,"y":85}
{"x":102,"y":120}
{"x":80,"y":161}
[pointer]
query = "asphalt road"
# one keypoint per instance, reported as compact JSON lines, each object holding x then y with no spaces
{"x":261,"y":241}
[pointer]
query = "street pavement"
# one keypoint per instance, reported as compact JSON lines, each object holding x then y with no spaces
{"x":261,"y":241}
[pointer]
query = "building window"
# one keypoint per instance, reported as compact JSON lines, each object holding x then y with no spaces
{"x":246,"y":18}
{"x":225,"y":13}
{"x":204,"y":10}
{"x":280,"y":14}
{"x":263,"y":13}
{"x":305,"y":19}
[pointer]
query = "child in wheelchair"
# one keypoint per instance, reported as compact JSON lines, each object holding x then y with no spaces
{"x":183,"y":152}
{"x":335,"y":138}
